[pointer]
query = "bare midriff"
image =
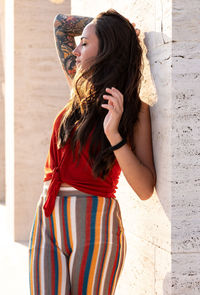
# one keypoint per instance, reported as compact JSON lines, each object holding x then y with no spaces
{"x":62,"y":184}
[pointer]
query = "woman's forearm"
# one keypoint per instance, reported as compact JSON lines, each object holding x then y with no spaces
{"x":140,"y":178}
{"x":66,"y":27}
{"x":70,"y":24}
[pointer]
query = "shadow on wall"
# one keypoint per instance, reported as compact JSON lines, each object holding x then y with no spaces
{"x":167,"y":284}
{"x":159,"y":55}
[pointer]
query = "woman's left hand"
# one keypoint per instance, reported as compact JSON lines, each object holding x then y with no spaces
{"x":136,"y":29}
{"x":115,"y":110}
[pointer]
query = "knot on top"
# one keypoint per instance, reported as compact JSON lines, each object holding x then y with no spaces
{"x":52,"y":192}
{"x":56,"y":174}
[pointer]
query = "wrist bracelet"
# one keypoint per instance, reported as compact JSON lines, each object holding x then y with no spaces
{"x":117,"y":146}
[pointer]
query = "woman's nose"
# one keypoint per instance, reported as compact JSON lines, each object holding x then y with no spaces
{"x":76,"y":52}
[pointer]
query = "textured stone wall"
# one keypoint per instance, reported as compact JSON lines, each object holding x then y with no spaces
{"x":185,"y":147}
{"x":39,"y":92}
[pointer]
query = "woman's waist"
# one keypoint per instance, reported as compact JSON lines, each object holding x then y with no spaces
{"x":88,"y":187}
{"x":63,"y":184}
{"x":65,"y":189}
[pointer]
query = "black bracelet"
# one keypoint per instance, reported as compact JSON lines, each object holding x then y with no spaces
{"x":117,"y":146}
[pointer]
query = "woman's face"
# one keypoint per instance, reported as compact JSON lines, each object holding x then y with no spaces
{"x":88,"y":46}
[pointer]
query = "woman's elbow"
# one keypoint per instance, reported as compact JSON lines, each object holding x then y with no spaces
{"x":150,"y":187}
{"x":56,"y":21}
{"x":146,"y":192}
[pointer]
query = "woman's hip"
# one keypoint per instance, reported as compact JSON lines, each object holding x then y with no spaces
{"x":96,"y":216}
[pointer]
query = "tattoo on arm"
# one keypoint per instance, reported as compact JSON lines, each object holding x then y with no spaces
{"x":66,"y":27}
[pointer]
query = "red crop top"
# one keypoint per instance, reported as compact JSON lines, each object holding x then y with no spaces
{"x":60,"y":167}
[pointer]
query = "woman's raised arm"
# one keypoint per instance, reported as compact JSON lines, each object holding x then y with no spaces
{"x":66,"y":27}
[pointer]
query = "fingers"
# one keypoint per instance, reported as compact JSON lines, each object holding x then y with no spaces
{"x":137,"y":32}
{"x":113,"y":90}
{"x":115,"y":100}
{"x":136,"y":29}
{"x":108,"y":107}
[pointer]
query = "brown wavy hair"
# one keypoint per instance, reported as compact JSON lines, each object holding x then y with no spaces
{"x":117,"y":64}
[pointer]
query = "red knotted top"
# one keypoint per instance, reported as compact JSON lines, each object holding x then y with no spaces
{"x":61,"y":167}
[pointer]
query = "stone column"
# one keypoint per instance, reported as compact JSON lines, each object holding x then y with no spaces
{"x":36,"y":90}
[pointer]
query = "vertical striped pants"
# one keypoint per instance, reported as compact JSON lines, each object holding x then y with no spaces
{"x":79,"y":249}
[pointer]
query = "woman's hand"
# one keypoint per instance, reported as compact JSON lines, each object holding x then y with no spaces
{"x":136,"y":29}
{"x":113,"y":117}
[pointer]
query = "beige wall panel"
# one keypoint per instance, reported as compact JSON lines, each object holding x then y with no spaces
{"x":40,"y":91}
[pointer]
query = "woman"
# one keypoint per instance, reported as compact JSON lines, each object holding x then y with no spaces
{"x":77,"y":244}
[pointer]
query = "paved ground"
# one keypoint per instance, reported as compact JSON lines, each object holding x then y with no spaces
{"x":13,"y":261}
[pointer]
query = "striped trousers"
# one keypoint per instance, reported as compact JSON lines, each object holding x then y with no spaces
{"x":79,"y":249}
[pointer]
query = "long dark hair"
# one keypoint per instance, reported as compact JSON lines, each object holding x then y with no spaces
{"x":117,"y":64}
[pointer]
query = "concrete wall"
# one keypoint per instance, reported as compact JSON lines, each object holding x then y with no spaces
{"x":35,"y":91}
